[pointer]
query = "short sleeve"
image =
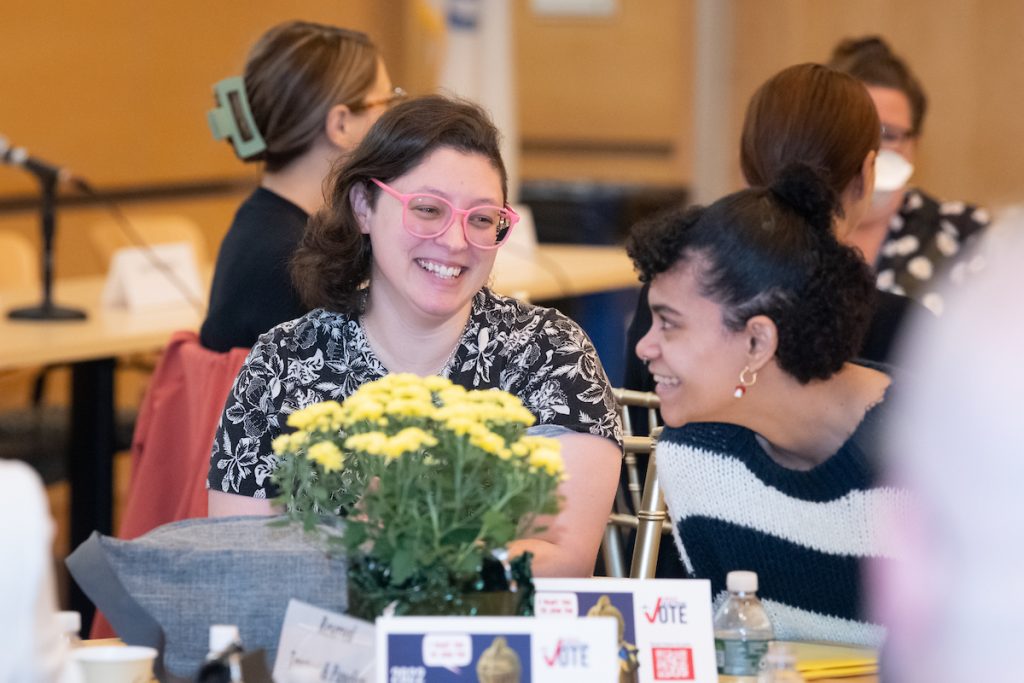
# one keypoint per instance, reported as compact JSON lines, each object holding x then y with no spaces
{"x":242,"y":458}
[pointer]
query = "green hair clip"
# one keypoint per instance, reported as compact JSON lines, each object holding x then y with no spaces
{"x":232,"y":118}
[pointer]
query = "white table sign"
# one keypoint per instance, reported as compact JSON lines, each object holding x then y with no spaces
{"x":319,"y":645}
{"x":666,"y":623}
{"x":429,"y":649}
{"x":142,"y":278}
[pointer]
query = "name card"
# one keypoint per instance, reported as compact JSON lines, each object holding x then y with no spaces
{"x":428,"y":649}
{"x":159,"y":276}
{"x":319,"y":645}
{"x":664,"y":630}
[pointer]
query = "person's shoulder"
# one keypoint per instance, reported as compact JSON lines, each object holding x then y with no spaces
{"x":305,"y":331}
{"x":966,"y":217}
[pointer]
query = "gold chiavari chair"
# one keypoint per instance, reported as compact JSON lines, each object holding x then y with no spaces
{"x":639,"y":508}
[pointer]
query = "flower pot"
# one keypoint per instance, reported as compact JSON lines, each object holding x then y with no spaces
{"x":369,"y":595}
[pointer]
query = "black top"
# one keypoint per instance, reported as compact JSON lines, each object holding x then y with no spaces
{"x":891,"y":310}
{"x":252,"y":290}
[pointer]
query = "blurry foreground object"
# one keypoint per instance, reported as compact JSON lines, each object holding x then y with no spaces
{"x":31,"y":645}
{"x":956,"y":442}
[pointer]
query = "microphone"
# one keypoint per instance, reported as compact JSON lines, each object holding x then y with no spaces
{"x":44,"y":170}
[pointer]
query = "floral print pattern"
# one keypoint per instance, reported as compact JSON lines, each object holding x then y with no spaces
{"x":535,"y":353}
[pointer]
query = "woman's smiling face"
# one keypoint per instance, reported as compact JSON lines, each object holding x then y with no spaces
{"x":431,"y":279}
{"x":694,"y":358}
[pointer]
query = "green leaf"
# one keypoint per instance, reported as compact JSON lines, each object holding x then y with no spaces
{"x":402,"y":566}
{"x":501,"y":528}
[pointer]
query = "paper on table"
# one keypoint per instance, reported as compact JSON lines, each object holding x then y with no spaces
{"x":826,"y":660}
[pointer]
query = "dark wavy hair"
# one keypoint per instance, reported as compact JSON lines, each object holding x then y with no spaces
{"x":333,"y":259}
{"x":295,"y":73}
{"x":872,"y":61}
{"x":771,"y":251}
{"x":811,"y":114}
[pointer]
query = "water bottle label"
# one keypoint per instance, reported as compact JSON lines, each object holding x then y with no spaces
{"x":739,"y":657}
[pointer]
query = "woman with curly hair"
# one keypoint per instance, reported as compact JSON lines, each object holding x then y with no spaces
{"x":395,"y":268}
{"x":767,"y":460}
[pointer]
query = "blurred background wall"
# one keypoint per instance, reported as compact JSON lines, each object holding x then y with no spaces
{"x":117,"y":90}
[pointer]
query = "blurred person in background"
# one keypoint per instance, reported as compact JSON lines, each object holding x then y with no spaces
{"x":309,"y":94}
{"x":954,"y":606}
{"x":914,"y":241}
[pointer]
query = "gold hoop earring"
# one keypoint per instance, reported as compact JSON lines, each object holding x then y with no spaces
{"x":741,"y":388}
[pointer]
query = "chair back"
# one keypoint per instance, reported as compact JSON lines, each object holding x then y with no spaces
{"x":20,"y":261}
{"x":109,"y":235}
{"x":637,"y":507}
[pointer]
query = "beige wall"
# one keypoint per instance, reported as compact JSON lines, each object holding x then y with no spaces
{"x":118,"y":89}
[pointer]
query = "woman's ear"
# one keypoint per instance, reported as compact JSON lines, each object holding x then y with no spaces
{"x":762,"y":341}
{"x":337,"y":126}
{"x":867,"y":174}
{"x":361,"y":207}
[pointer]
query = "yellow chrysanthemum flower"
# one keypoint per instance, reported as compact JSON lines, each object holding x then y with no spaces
{"x":327,"y":455}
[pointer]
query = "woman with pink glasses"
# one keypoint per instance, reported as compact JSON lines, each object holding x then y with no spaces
{"x":396,"y":268}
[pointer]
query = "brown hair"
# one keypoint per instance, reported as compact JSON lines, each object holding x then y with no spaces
{"x":295,"y":73}
{"x":870,"y":60}
{"x":810,"y":114}
{"x":334,"y":258}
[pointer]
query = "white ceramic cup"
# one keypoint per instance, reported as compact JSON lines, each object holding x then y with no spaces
{"x":115,"y":663}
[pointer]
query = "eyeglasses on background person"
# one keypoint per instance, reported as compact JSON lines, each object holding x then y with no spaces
{"x":895,"y":136}
{"x":428,"y":216}
{"x":394,"y":97}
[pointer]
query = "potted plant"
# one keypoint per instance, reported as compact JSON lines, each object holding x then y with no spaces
{"x":433,"y":481}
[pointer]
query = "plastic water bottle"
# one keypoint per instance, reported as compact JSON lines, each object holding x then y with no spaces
{"x":779,"y":665}
{"x":742,"y":630}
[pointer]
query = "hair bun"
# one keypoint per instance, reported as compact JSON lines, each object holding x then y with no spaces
{"x":873,"y":47}
{"x":807,"y":192}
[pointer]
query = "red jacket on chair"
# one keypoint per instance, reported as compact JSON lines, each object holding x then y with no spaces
{"x":174,"y":434}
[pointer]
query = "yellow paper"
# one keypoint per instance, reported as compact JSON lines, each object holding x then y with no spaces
{"x":827,"y":660}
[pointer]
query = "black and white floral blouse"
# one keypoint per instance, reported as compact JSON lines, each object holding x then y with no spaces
{"x":535,"y":353}
{"x":929,"y":244}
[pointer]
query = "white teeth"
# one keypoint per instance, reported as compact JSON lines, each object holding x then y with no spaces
{"x":668,"y":381}
{"x":446,"y":272}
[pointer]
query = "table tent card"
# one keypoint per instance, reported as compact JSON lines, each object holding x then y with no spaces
{"x":320,"y":645}
{"x":155,"y":277}
{"x":665,"y":628}
{"x":436,"y":649}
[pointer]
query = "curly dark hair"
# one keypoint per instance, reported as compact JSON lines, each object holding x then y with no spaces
{"x":333,"y":259}
{"x":771,"y":251}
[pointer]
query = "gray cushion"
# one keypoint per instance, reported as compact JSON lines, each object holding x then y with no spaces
{"x":191,"y":574}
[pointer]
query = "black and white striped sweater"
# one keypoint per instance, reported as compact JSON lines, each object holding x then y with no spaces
{"x":803,"y":532}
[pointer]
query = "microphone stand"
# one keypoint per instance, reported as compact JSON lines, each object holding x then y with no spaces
{"x":47,"y":310}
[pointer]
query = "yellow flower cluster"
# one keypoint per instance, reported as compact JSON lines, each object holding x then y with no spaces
{"x":409,"y":440}
{"x":327,"y":455}
{"x":541,"y":453}
{"x":320,"y":417}
{"x":366,"y":414}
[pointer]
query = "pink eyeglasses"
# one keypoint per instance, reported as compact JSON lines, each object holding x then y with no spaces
{"x":428,"y":216}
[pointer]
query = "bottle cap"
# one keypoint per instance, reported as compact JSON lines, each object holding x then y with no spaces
{"x":69,"y":622}
{"x":741,"y":582}
{"x":222,"y":636}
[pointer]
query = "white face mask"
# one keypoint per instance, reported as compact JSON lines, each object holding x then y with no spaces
{"x":892,"y":171}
